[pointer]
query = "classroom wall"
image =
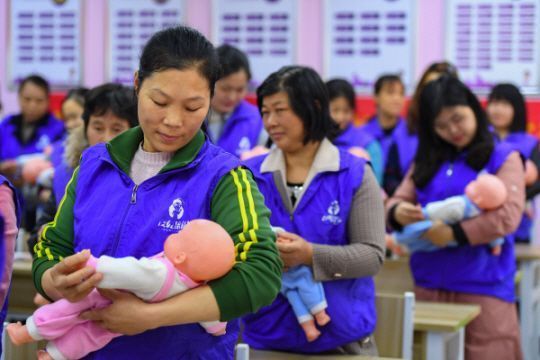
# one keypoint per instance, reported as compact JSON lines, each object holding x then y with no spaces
{"x":429,"y":44}
{"x":198,"y":13}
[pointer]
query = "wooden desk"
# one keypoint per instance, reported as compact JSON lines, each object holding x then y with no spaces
{"x":275,"y":355}
{"x":528,"y":259}
{"x":22,"y":291}
{"x":439,"y":329}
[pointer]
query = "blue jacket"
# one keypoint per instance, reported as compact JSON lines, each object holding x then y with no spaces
{"x":467,"y":269}
{"x":320,"y":217}
{"x":241,"y":130}
{"x":49,"y":129}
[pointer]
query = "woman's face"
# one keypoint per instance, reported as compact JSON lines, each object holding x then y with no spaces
{"x":229,"y":91}
{"x":172,"y":106}
{"x":103,"y":128}
{"x":391,"y":99}
{"x":341,"y":112}
{"x":500,"y":114}
{"x":34,"y":102}
{"x":456,"y":125}
{"x":72,"y":114}
{"x":284,"y":127}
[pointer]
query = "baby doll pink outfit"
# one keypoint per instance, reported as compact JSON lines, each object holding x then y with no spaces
{"x":151,"y":279}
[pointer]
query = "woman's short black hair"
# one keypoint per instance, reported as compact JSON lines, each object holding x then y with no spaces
{"x":232,"y":60}
{"x":77,"y":95}
{"x":448,"y":91}
{"x":179,"y":48}
{"x":116,"y":98}
{"x":341,"y":88}
{"x":387,"y":79}
{"x":511,"y":94}
{"x":38,"y":81}
{"x":308,"y":99}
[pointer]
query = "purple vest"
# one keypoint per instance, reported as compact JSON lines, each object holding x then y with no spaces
{"x":241,"y":130}
{"x":353,"y":136}
{"x":46,"y":133}
{"x":321,"y":217}
{"x":467,"y":269}
{"x":406,"y":142}
{"x":62,"y":175}
{"x":114,"y":217}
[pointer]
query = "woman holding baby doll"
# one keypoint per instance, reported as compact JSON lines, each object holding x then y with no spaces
{"x":129,"y":194}
{"x":329,"y":206}
{"x":455,"y":146}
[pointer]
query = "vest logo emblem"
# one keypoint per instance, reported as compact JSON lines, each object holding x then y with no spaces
{"x":244,"y":145}
{"x":332,"y":215}
{"x":175,"y":212}
{"x":43,"y":142}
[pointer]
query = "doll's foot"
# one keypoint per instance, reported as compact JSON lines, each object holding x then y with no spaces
{"x":497,"y":250}
{"x":310,"y":330}
{"x":43,"y":355}
{"x":19,"y":334}
{"x":322,"y":318}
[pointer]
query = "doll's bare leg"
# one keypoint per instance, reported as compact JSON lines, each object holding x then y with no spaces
{"x":18,"y":333}
{"x":43,"y":355}
{"x":310,"y":330}
{"x":322,"y":318}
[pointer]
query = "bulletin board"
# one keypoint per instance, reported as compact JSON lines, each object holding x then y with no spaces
{"x":366,"y":39}
{"x":495,"y":41}
{"x":45,"y":39}
{"x":131,"y":24}
{"x":264,"y":29}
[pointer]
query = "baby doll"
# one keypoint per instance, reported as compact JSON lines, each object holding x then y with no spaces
{"x":305,"y":295}
{"x":487,"y":192}
{"x":200,"y":252}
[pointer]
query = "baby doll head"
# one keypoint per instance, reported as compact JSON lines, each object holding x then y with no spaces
{"x":487,"y":192}
{"x":202,"y":250}
{"x":531,"y":173}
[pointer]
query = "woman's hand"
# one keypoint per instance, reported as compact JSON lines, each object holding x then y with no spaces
{"x":407,"y":213}
{"x":71,"y":279}
{"x":439,"y":234}
{"x":125,"y":315}
{"x":294,"y":250}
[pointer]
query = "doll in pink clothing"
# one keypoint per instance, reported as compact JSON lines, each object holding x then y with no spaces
{"x":200,"y":252}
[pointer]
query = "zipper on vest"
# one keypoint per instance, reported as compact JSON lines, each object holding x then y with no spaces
{"x":133,"y":200}
{"x":134,"y":195}
{"x":450,"y":170}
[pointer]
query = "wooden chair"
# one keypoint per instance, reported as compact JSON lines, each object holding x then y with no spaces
{"x":395,"y":324}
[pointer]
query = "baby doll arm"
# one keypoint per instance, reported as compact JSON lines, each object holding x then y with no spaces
{"x":144,"y":277}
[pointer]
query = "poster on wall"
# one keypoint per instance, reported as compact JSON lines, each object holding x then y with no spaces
{"x":495,"y":41}
{"x":366,"y":39}
{"x":264,"y":29}
{"x":45,"y":39}
{"x":131,"y":24}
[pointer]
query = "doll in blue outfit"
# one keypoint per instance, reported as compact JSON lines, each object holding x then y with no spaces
{"x":485,"y":193}
{"x":305,"y":295}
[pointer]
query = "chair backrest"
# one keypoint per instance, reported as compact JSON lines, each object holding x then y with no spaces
{"x":394,"y":277}
{"x":395,"y":326}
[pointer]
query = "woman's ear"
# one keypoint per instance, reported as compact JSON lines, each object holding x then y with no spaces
{"x":136,"y":82}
